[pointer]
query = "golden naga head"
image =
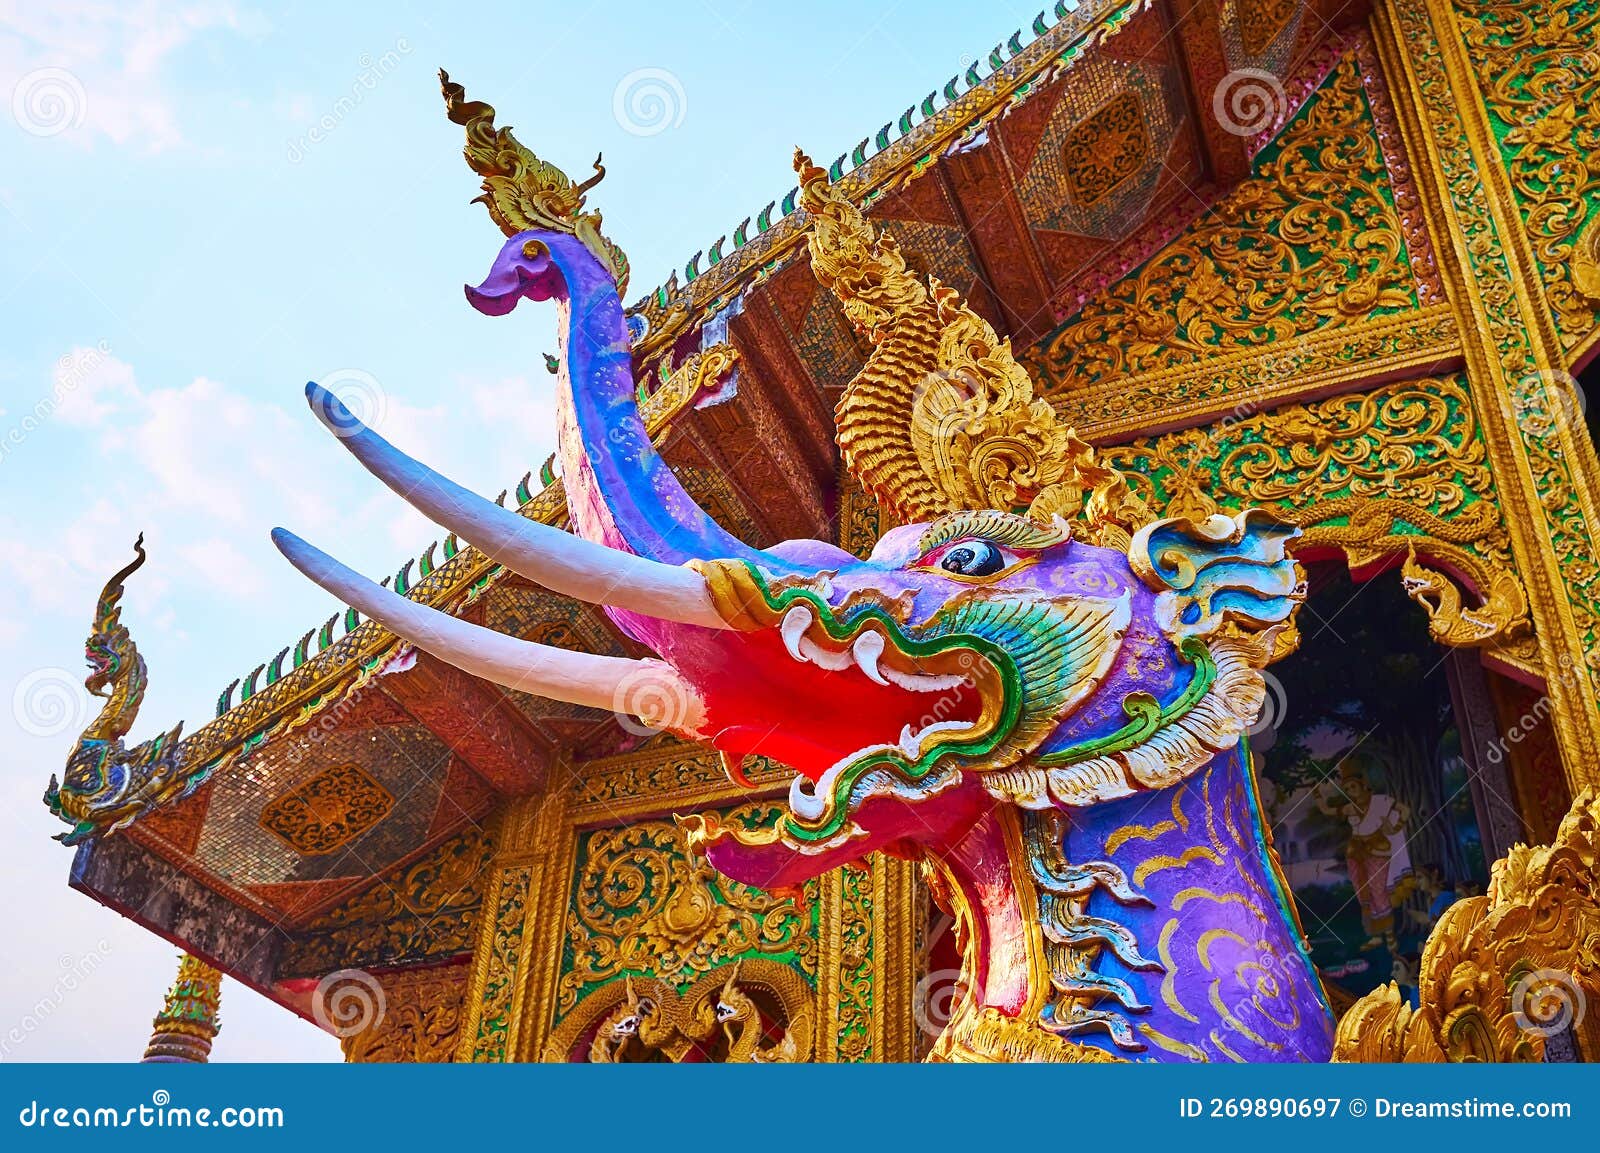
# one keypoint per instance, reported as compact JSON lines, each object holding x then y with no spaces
{"x":942,"y":417}
{"x":520,"y":190}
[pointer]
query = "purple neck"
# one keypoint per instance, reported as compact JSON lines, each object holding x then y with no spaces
{"x":619,"y":491}
{"x":1151,"y":928}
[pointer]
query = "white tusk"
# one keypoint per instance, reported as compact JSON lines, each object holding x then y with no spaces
{"x":560,"y":561}
{"x":617,"y":684}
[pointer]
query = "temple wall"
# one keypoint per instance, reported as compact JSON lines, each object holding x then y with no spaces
{"x":1398,"y":377}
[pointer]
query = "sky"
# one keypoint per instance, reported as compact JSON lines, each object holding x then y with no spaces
{"x":203,"y":206}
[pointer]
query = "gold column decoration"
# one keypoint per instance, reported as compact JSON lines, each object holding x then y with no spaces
{"x":1541,"y":457}
{"x":187,"y":1024}
{"x":512,"y":961}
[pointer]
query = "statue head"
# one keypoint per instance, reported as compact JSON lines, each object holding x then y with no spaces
{"x":1058,"y":650}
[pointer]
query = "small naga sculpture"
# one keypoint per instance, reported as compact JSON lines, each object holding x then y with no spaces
{"x":1034,"y":688}
{"x":106,"y":784}
{"x":714,"y":1019}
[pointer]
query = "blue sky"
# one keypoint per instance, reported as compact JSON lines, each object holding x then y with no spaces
{"x":204,"y":205}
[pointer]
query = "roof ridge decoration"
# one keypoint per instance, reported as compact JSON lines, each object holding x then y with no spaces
{"x":105,"y":784}
{"x":899,"y":151}
{"x":942,"y":418}
{"x":522,"y":191}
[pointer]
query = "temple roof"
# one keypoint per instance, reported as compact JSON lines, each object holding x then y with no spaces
{"x":1051,"y":170}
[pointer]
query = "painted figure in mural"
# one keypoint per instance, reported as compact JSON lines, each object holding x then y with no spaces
{"x":1375,"y":854}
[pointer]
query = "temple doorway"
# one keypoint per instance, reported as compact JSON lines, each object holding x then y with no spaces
{"x":1384,"y":777}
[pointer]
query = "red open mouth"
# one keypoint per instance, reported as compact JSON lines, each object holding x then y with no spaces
{"x":804,"y":699}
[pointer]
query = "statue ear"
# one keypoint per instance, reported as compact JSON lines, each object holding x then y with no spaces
{"x":1225,"y":570}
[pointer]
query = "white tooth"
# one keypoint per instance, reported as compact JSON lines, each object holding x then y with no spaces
{"x":908,"y":741}
{"x":924,"y":682}
{"x":867,"y":649}
{"x":795,"y":622}
{"x":824,"y":658}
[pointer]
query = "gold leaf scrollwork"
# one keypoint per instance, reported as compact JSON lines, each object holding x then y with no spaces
{"x":643,"y":904}
{"x":420,"y":1022}
{"x":1310,"y":242}
{"x":751,"y":1011}
{"x":1398,"y":472}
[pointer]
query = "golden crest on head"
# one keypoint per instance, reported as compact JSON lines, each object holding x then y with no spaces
{"x":522,"y":191}
{"x":942,"y":417}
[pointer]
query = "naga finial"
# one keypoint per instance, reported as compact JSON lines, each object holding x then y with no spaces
{"x":942,"y":417}
{"x":522,"y":191}
{"x":105,"y":785}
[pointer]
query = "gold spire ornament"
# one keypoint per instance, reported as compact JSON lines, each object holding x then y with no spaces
{"x":520,"y":190}
{"x":187,"y":1024}
{"x":942,"y":417}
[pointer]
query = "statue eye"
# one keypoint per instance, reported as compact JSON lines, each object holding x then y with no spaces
{"x":973,"y":558}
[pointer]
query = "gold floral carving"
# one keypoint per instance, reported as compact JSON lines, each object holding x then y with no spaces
{"x":854,"y":985}
{"x":1311,"y":242}
{"x":1399,"y":472}
{"x":1260,"y":21}
{"x":1501,"y":972}
{"x":420,"y":1021}
{"x":643,"y":904}
{"x":501,"y":956}
{"x":327,"y":811}
{"x":669,"y":776}
{"x":426,"y":910}
{"x":1537,"y":65}
{"x":701,"y":373}
{"x":751,"y":1011}
{"x":1106,"y":149}
{"x":941,"y":416}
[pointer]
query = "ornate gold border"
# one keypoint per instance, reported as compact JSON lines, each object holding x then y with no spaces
{"x":1508,"y":338}
{"x":1254,"y":380}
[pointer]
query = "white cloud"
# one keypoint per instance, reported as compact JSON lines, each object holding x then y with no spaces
{"x":221,"y":563}
{"x":91,"y":385}
{"x":83,"y":69}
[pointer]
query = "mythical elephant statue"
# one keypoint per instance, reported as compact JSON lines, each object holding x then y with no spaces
{"x":1043,"y":701}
